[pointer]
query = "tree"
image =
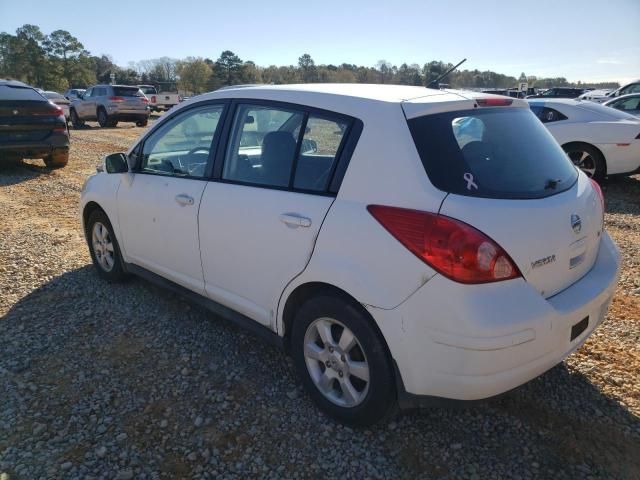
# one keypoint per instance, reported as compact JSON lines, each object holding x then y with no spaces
{"x":194,"y":75}
{"x":308,"y":67}
{"x":385,"y":69}
{"x":228,"y":68}
{"x":67,"y":49}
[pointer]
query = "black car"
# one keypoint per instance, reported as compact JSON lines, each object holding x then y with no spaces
{"x":560,"y":92}
{"x":31,"y":126}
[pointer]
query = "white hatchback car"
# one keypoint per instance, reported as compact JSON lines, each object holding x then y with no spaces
{"x":600,"y":140}
{"x":400,"y":243}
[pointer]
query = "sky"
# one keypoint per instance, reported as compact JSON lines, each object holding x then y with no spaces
{"x":579,"y":40}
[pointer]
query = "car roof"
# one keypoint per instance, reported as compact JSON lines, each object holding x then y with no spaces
{"x":384,"y":93}
{"x":13,"y":83}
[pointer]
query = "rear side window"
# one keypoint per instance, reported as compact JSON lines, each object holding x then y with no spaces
{"x":492,"y":153}
{"x":126,"y":92}
{"x":19,"y":93}
{"x":546,"y":114}
{"x":318,"y":153}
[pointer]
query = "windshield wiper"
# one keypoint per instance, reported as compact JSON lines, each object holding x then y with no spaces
{"x":551,"y":184}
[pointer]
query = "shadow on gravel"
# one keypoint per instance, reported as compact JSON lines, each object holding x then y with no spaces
{"x":16,"y":171}
{"x":622,"y":194}
{"x":167,"y":388}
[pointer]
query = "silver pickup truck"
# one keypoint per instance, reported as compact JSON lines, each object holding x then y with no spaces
{"x":159,"y":100}
{"x":110,"y":104}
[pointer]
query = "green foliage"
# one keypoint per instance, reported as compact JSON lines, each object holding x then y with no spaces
{"x":59,"y":61}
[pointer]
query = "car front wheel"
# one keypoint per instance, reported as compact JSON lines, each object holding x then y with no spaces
{"x":104,"y":248}
{"x":343,"y":361}
{"x":103,"y":119}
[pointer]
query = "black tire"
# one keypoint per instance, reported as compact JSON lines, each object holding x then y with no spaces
{"x":103,"y":118}
{"x":142,"y":123}
{"x":588,"y":159}
{"x":117,"y":272}
{"x":75,"y":120}
{"x":112,"y":123}
{"x":57,"y":159}
{"x":380,"y":399}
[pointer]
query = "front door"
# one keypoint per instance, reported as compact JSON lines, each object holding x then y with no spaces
{"x":158,"y":204}
{"x":259,"y":221}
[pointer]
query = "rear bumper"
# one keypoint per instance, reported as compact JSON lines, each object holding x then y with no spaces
{"x":469,"y":342}
{"x":35,"y":149}
{"x":623,"y":159}
{"x":130,"y":116}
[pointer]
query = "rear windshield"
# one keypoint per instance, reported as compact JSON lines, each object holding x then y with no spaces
{"x":492,"y":153}
{"x":19,"y":93}
{"x":127,"y":92}
{"x":604,"y":111}
{"x":54,"y":95}
{"x":146,"y":90}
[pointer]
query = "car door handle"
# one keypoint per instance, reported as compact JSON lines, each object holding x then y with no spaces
{"x":184,"y":199}
{"x":294,"y":220}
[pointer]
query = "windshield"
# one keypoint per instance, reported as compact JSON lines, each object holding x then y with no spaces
{"x":19,"y":93}
{"x":492,"y":153}
{"x":127,"y":92}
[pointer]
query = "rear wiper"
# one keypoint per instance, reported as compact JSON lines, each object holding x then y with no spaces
{"x":551,"y":184}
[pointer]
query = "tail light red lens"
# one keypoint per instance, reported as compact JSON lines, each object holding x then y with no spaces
{"x":598,"y":190}
{"x":116,"y":99}
{"x":144,"y":99}
{"x":153,"y":99}
{"x":494,"y":102}
{"x":456,"y":250}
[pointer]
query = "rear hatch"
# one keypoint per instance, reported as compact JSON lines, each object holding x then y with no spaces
{"x":130,"y":98}
{"x":507,"y":176}
{"x":26,"y":116}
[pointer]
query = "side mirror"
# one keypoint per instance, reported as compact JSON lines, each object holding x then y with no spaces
{"x":116,"y":163}
{"x":308,"y":146}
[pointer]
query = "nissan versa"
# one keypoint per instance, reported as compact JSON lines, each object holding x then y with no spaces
{"x":400,"y":243}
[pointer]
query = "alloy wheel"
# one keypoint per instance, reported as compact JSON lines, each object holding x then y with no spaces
{"x":584,"y":161}
{"x":336,"y":362}
{"x":102,"y":246}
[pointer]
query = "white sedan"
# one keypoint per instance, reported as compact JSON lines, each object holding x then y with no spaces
{"x":600,"y":140}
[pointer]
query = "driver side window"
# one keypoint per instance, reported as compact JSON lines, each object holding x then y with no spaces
{"x":181,"y":147}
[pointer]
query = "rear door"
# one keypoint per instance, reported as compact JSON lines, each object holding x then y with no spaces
{"x":260,"y":217}
{"x":508,"y":177}
{"x":158,"y":204}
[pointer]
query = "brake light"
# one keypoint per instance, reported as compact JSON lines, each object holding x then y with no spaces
{"x":456,"y":250}
{"x":153,"y":99}
{"x":598,"y":190}
{"x":494,"y":102}
{"x":144,"y":99}
{"x":55,"y":111}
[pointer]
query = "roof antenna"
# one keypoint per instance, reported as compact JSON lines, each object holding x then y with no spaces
{"x":435,"y":84}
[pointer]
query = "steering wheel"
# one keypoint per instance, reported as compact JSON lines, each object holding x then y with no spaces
{"x":198,"y":149}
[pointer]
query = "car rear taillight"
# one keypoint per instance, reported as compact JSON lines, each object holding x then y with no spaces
{"x":117,"y":99}
{"x":153,"y":99}
{"x":144,"y":99}
{"x":494,"y":102}
{"x":598,"y":190}
{"x":456,"y":250}
{"x":54,"y":111}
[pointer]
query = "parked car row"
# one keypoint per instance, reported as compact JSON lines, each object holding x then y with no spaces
{"x":401,"y":243}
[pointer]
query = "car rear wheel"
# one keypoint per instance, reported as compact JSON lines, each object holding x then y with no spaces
{"x":142,"y":123}
{"x":103,"y":119}
{"x":342,"y":361}
{"x":588,"y":159}
{"x":103,"y":247}
{"x":57,"y":159}
{"x":75,"y":120}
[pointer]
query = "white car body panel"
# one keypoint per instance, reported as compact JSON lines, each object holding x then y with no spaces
{"x":159,"y":233}
{"x":248,"y":263}
{"x":613,"y":133}
{"x":447,"y":339}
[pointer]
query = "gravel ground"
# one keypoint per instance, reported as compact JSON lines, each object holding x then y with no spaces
{"x":128,"y":381}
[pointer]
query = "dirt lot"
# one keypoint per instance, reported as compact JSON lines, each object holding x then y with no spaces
{"x":128,"y":381}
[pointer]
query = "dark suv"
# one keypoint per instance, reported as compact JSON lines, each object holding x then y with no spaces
{"x":31,"y":126}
